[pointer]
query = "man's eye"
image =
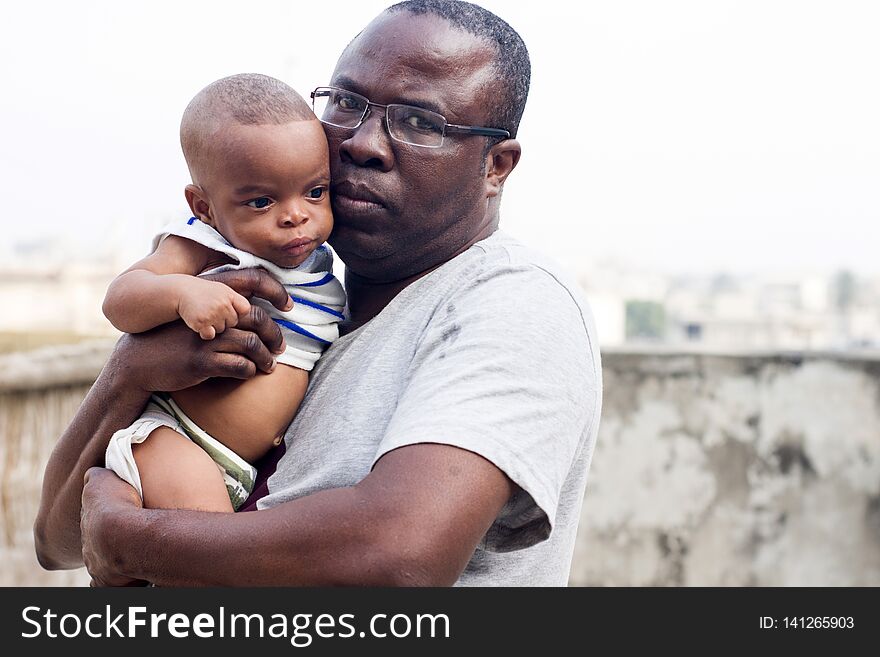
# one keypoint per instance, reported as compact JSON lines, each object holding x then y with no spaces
{"x":260,"y":203}
{"x":348,"y":103}
{"x":317,"y":193}
{"x":421,"y":123}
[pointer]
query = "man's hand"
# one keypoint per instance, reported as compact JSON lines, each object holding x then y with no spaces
{"x":172,"y":357}
{"x":107,"y":502}
{"x":209,"y":307}
{"x":254,"y":283}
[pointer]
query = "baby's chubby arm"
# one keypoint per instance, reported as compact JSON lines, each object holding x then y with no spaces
{"x":164,"y":286}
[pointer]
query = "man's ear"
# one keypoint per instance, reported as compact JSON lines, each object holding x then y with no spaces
{"x":500,"y":161}
{"x":198,"y":203}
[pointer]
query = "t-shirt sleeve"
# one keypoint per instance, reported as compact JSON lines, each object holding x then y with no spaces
{"x":505,"y":370}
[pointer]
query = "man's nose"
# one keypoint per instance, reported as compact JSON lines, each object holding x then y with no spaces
{"x":369,"y":145}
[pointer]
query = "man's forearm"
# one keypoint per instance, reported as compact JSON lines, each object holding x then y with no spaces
{"x":414,"y":520}
{"x":326,"y":539}
{"x":109,"y":405}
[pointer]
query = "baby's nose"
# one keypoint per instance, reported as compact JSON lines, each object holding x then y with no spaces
{"x":294,"y":216}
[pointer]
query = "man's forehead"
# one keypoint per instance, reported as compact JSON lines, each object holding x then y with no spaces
{"x":422,"y":46}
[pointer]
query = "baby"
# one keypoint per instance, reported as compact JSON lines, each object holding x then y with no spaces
{"x":259,"y":197}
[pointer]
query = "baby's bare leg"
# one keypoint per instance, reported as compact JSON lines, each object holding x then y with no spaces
{"x":178,"y":474}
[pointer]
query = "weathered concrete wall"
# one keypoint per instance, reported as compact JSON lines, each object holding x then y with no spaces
{"x":709,"y":470}
{"x":30,"y":423}
{"x":39,"y":394}
{"x":731,"y":471}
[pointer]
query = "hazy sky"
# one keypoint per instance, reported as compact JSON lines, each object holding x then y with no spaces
{"x":678,"y":135}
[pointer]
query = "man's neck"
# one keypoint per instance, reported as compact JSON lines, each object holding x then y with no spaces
{"x":368,"y":297}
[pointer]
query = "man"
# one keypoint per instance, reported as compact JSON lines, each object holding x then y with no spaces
{"x":446,"y":436}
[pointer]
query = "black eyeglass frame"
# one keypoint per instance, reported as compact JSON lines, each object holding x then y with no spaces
{"x":450,"y":127}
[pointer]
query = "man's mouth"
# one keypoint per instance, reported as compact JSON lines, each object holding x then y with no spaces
{"x":355,"y":196}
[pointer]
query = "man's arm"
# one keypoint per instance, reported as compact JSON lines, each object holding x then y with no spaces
{"x":107,"y":407}
{"x":170,"y":358}
{"x":416,"y":519}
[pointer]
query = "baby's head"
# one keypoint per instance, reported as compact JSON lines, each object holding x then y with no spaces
{"x":259,"y":165}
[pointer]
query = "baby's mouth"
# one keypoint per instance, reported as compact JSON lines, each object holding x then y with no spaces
{"x":298,"y":242}
{"x":299,"y":246}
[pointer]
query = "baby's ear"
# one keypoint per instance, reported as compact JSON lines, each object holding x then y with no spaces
{"x":198,"y":203}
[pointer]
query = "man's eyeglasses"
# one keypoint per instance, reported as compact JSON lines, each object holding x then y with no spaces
{"x":405,"y":123}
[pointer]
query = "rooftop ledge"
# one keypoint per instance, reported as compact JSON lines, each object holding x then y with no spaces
{"x":80,"y":363}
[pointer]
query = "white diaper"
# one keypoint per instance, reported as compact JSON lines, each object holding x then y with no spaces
{"x":161,"y":411}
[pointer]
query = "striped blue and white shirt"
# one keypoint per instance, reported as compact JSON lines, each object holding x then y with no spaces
{"x":318,"y":297}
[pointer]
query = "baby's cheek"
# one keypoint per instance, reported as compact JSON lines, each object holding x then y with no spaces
{"x":327,"y":221}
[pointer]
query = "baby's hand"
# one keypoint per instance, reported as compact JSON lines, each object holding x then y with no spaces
{"x":209,"y":308}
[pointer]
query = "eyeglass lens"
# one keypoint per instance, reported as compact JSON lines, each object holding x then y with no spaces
{"x":408,"y":124}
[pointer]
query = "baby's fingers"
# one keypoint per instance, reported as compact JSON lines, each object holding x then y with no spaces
{"x":230,"y":318}
{"x":207,"y":333}
{"x":242,"y":306}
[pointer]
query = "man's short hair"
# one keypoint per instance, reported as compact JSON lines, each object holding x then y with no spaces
{"x":511,"y":57}
{"x":246,"y":99}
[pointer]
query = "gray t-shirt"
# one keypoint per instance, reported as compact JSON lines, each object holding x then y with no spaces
{"x":494,"y":352}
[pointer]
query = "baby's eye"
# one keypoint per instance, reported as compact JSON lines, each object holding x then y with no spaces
{"x":260,"y":203}
{"x":317,"y":193}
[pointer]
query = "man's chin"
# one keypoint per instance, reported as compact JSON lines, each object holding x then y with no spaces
{"x":356,"y":245}
{"x":378,"y":267}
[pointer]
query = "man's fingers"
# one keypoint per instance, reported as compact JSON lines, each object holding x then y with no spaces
{"x":97,"y":474}
{"x":269,"y":289}
{"x":92,"y":473}
{"x":254,"y":282}
{"x":103,"y":480}
{"x":258,"y":321}
{"x":233,"y":366}
{"x":248,"y":344}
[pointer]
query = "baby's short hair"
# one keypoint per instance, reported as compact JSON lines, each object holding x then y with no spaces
{"x":246,"y":99}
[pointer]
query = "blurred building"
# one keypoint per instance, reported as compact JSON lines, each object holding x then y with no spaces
{"x":723,"y":312}
{"x":48,"y":288}
{"x":45,"y":290}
